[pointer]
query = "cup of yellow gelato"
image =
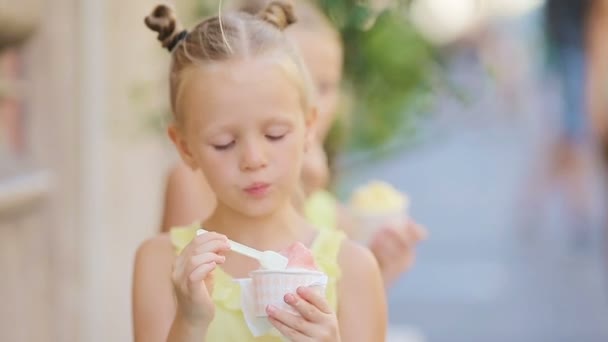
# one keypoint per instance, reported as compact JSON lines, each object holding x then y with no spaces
{"x":376,"y":205}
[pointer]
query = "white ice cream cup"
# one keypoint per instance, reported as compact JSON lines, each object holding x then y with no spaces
{"x":369,"y":223}
{"x":270,"y":287}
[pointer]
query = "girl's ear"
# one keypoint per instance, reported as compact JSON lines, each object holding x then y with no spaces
{"x":311,"y":128}
{"x":176,"y":135}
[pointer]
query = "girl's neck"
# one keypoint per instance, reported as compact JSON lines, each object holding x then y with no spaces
{"x":272,"y":232}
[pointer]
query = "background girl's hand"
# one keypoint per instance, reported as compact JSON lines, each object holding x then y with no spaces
{"x":192,"y":276}
{"x":394,"y":248}
{"x":316,"y":322}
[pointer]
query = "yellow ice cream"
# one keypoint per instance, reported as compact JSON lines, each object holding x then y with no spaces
{"x":378,"y":197}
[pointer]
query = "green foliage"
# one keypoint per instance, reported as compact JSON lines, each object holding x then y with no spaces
{"x":388,"y":65}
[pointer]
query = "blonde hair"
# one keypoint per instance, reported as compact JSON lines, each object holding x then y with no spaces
{"x":229,"y":36}
{"x":310,"y":16}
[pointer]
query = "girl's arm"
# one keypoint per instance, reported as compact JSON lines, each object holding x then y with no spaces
{"x":153,"y":303}
{"x":154,"y":307}
{"x":188,"y":198}
{"x":362,"y":311}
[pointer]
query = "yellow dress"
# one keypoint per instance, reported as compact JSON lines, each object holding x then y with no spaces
{"x":321,"y":209}
{"x":229,"y":324}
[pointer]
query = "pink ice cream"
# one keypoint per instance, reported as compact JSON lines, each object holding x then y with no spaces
{"x":300,"y":257}
{"x":271,"y":286}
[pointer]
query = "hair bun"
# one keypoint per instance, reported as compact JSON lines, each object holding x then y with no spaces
{"x":164,"y":21}
{"x":278,"y":13}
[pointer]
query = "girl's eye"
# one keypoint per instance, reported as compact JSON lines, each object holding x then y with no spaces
{"x":273,"y":137}
{"x":224,"y":147}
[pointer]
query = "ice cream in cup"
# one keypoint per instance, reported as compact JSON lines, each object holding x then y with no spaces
{"x":376,"y":205}
{"x":271,"y":286}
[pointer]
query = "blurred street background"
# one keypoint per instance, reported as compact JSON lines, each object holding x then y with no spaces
{"x":488,"y":114}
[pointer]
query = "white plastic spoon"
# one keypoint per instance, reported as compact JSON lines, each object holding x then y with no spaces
{"x":270,"y":260}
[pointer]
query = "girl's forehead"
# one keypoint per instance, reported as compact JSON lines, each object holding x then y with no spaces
{"x":240,"y":90}
{"x":224,"y":83}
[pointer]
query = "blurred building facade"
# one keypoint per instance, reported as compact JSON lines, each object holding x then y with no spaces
{"x":84,"y":186}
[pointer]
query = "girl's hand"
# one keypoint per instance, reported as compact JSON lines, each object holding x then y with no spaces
{"x":394,"y":248}
{"x":316,"y":322}
{"x":192,"y":278}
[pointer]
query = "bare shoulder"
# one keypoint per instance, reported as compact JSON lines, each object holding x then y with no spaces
{"x":360,"y":275}
{"x":156,"y":251}
{"x":160,"y":243}
{"x":152,"y":293}
{"x":356,"y":262}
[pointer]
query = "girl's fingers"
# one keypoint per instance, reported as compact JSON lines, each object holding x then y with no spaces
{"x":288,"y":332}
{"x":314,"y":296}
{"x":197,"y":245}
{"x":193,"y":258}
{"x":304,"y":308}
{"x":197,"y":276}
{"x":402,"y":236}
{"x":390,"y":244}
{"x":205,"y":258}
{"x":291,"y":325}
{"x":215,"y":246}
{"x":208,"y":242}
{"x":419,"y":232}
